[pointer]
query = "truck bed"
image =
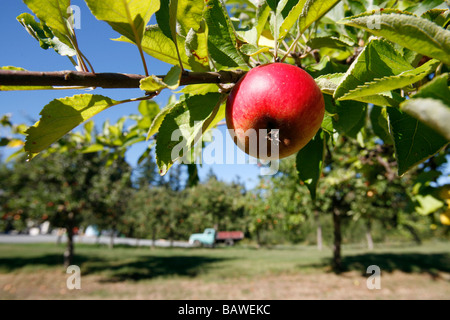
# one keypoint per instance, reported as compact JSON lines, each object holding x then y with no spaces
{"x":234,"y":235}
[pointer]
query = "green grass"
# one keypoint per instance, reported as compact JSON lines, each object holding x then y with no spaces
{"x":134,"y":264}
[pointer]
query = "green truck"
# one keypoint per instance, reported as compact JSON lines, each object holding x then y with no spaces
{"x":210,"y":237}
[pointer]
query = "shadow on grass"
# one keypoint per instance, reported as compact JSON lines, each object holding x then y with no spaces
{"x":431,"y":263}
{"x":47,"y":260}
{"x":134,"y":269}
{"x":150,"y":267}
{"x":406,"y":262}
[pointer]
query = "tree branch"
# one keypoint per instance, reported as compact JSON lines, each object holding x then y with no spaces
{"x":105,"y":80}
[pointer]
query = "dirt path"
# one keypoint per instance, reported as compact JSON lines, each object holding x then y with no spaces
{"x":351,"y":285}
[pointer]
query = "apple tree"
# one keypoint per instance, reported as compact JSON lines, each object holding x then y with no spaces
{"x":71,"y":185}
{"x":389,"y":56}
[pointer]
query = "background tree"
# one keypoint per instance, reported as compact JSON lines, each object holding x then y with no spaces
{"x":148,"y":214}
{"x":54,"y":189}
{"x":108,"y":197}
{"x":69,"y":188}
{"x":219,"y":203}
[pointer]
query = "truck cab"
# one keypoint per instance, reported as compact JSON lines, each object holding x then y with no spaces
{"x":207,"y":238}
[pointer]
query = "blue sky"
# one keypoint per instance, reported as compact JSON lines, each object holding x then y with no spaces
{"x":19,"y":49}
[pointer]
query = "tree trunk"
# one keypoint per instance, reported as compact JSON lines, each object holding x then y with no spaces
{"x":414,"y":234}
{"x":258,"y":238}
{"x":319,"y":230}
{"x":369,"y":235}
{"x":59,"y":236}
{"x":153,"y":238}
{"x":111,"y":240}
{"x":337,"y":258}
{"x":68,"y":254}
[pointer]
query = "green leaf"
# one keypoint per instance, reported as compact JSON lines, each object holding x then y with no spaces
{"x":19,"y":88}
{"x":5,"y":120}
{"x":127,"y":17}
{"x":218,"y":114}
{"x":42,"y":33}
{"x":222,"y":45}
{"x":327,"y":123}
{"x":313,"y":11}
{"x":377,"y":60}
{"x":93,"y":148}
{"x":414,"y":141}
{"x":273,"y":4}
{"x":390,"y":83}
{"x":291,"y":18}
{"x":195,"y":89}
{"x":439,"y":16}
{"x":163,"y":17}
{"x":157,"y":121}
{"x":306,"y":12}
{"x":276,"y":19}
{"x":414,"y":33}
{"x":325,"y":66}
{"x":329,"y":82}
{"x":427,"y":204}
{"x":262,"y":14}
{"x":190,"y":14}
{"x":379,"y":67}
{"x":54,"y":13}
{"x":385,"y":99}
{"x":380,"y":125}
{"x":15,"y":143}
{"x":431,"y":105}
{"x":145,"y":154}
{"x":154,"y":84}
{"x":173,"y":78}
{"x":88,"y":128}
{"x":309,"y":162}
{"x":330,"y":42}
{"x":61,"y":116}
{"x":348,"y":117}
{"x":149,"y":110}
{"x":425,"y":5}
{"x":15,"y":155}
{"x":185,"y":121}
{"x":196,"y":47}
{"x":251,"y":50}
{"x":436,"y":89}
{"x":431,"y":112}
{"x":173,"y":10}
{"x":4,"y":142}
{"x":156,"y":44}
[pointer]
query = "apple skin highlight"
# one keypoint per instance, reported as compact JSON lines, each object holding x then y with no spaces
{"x":275,"y":96}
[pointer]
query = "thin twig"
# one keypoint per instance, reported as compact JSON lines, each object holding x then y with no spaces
{"x":291,"y":47}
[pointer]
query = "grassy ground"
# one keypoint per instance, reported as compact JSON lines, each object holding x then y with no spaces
{"x":300,"y":272}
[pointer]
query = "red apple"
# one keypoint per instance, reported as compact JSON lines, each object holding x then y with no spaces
{"x":275,"y":96}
